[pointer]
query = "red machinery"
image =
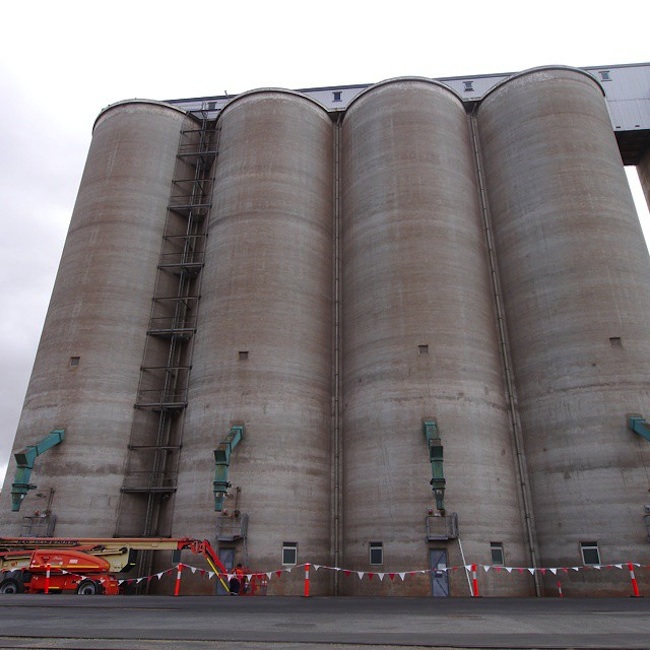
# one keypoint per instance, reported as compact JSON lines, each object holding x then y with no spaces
{"x":84,"y":565}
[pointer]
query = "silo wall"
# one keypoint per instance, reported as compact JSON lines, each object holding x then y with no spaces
{"x":86,"y":372}
{"x":576,"y":289}
{"x":419,"y":341}
{"x":262,"y":353}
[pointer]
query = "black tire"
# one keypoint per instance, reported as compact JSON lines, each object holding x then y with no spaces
{"x":89,"y":588}
{"x":11,"y":586}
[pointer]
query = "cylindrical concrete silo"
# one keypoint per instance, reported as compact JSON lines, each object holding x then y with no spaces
{"x":576,"y":287}
{"x":87,"y":367}
{"x":419,"y":342}
{"x":262,"y":354}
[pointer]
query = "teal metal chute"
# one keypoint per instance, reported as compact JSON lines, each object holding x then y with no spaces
{"x":222,"y":454}
{"x":436,"y":457}
{"x":25,"y":461}
{"x":639,"y":425}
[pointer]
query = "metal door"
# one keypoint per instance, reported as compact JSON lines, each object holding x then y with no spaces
{"x":227,"y":557}
{"x":439,"y":577}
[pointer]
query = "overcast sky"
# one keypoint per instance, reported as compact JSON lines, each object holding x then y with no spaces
{"x":62,"y":62}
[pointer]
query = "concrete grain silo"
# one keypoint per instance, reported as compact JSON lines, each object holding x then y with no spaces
{"x":419,"y":342}
{"x":396,"y":329}
{"x":87,"y":368}
{"x":264,"y":344}
{"x":576,"y":290}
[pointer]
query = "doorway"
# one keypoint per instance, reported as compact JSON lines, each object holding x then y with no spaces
{"x":439,"y":576}
{"x":227,"y":557}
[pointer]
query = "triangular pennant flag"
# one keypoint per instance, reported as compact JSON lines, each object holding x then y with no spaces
{"x":618,"y":566}
{"x":268,"y":575}
{"x":401,"y":575}
{"x":288,"y":570}
{"x":346,"y":573}
{"x":210,"y":574}
{"x":138,"y":581}
{"x":543,"y":571}
{"x":160,"y":575}
{"x":193,"y":569}
{"x":468,"y":567}
{"x":316,"y":567}
{"x":391,"y":576}
{"x":249,"y":576}
{"x":278,"y":573}
{"x":509,"y":569}
{"x":576,"y":568}
{"x":486,"y":568}
{"x":597,"y":566}
{"x":553,"y":571}
{"x":381,"y":576}
{"x":360,"y":574}
{"x":532,"y":571}
{"x":370,"y":575}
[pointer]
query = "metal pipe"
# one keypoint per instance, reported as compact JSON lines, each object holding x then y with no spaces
{"x":336,"y":415}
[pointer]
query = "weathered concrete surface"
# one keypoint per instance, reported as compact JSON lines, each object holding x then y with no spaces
{"x":576,"y":289}
{"x":266,"y":293}
{"x":419,"y":338}
{"x":98,"y":313}
{"x":157,"y":623}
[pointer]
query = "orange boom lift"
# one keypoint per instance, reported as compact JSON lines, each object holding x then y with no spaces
{"x":84,"y":565}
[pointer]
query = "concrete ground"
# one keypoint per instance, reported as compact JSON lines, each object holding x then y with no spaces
{"x":294,"y":623}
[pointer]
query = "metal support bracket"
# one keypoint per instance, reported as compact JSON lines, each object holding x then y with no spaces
{"x":25,"y":464}
{"x":222,"y":454}
{"x":638,"y":424}
{"x":434,"y":444}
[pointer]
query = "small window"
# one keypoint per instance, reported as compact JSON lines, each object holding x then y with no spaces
{"x":498,"y":556}
{"x":289,"y":553}
{"x":469,"y":88}
{"x":243,"y":355}
{"x":590,"y":553}
{"x":74,"y":361}
{"x":604,"y":75}
{"x":423,"y":349}
{"x":336,"y":94}
{"x":615,"y":341}
{"x":376,"y":553}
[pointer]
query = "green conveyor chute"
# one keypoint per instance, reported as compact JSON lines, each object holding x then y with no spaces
{"x":25,"y":463}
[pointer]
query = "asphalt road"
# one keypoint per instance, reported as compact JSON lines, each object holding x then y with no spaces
{"x":294,"y":623}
